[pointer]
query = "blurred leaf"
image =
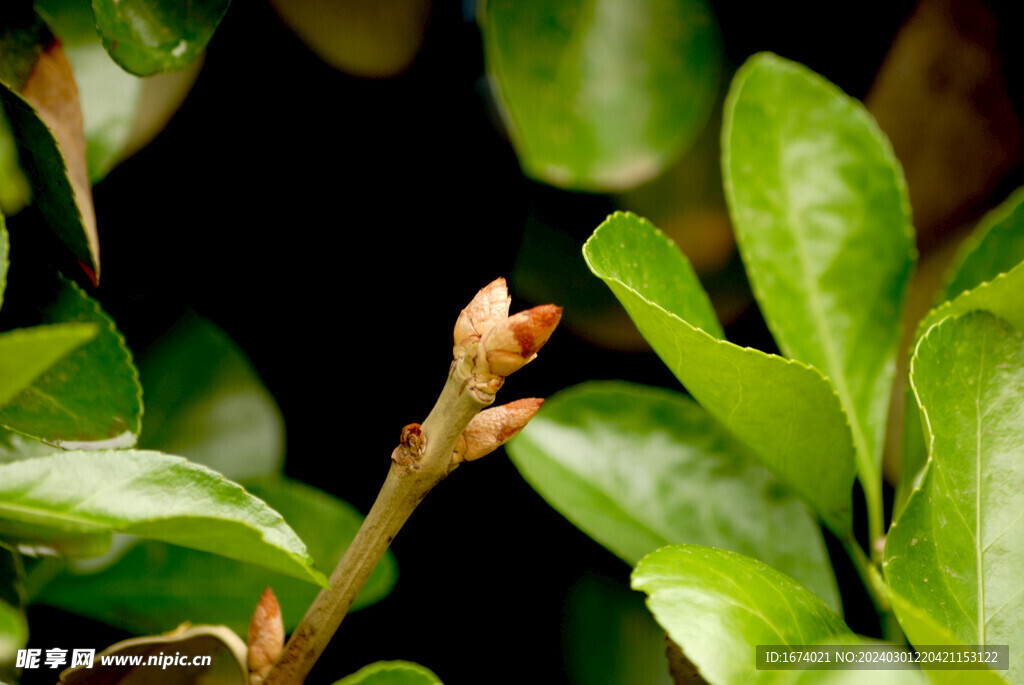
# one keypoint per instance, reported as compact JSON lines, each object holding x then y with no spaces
{"x":151,"y":495}
{"x":785,"y":412}
{"x":15,"y":193}
{"x":13,"y":636}
{"x":391,"y":673}
{"x":608,"y":636}
{"x":718,"y":606}
{"x":227,"y":651}
{"x":958,"y":546}
{"x":820,"y":209}
{"x":207,"y":403}
{"x":601,"y":96}
{"x":42,"y":106}
{"x":548,"y":269}
{"x":27,"y":355}
{"x":995,"y":247}
{"x":639,"y":468}
{"x":116,"y":105}
{"x":361,"y":37}
{"x":156,"y":584}
{"x":91,"y":399}
{"x":153,"y":36}
{"x":14,"y":447}
{"x":5,"y":249}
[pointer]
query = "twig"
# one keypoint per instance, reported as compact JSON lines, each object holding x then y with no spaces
{"x":489,"y":345}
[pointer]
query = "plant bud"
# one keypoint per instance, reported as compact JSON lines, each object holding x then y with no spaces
{"x":266,"y":637}
{"x":492,"y":428}
{"x":510,"y":345}
{"x":489,"y":307}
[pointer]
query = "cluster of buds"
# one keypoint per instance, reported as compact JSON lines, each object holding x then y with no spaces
{"x":490,"y":344}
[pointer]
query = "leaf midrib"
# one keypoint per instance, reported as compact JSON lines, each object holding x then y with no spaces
{"x":835,"y":368}
{"x":979,"y":552}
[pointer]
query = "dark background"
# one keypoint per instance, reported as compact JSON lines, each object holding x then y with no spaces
{"x":334,"y":227}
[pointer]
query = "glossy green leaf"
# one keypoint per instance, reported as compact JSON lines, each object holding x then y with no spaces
{"x":856,"y":676}
{"x":91,"y":399}
{"x":958,"y":547}
{"x":718,"y":606}
{"x":786,"y":412}
{"x":391,"y":673}
{"x":1003,"y":295}
{"x":639,"y":468}
{"x":821,"y":214}
{"x":204,"y":401}
{"x":608,"y":636}
{"x":921,"y":629}
{"x":46,"y":129}
{"x":153,"y":36}
{"x":995,"y":247}
{"x":601,"y":95}
{"x":154,"y":585}
{"x":150,"y":495}
{"x":27,"y":355}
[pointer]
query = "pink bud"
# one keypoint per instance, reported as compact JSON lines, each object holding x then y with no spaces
{"x":489,"y":307}
{"x":266,"y":637}
{"x":492,"y":428}
{"x":513,"y":343}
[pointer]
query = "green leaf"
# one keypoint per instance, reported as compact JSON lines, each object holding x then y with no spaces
{"x":820,"y":208}
{"x":14,"y":447}
{"x":609,"y":636}
{"x":205,"y":401}
{"x":91,"y":399}
{"x":958,"y":547}
{"x":995,"y":247}
{"x":391,"y":673}
{"x":150,"y":495}
{"x":601,"y":96}
{"x":785,"y":412}
{"x":13,"y":635}
{"x":5,"y":250}
{"x":920,"y":629}
{"x":14,"y":188}
{"x":855,"y":676}
{"x":154,"y":585}
{"x":28,"y":354}
{"x":639,"y":468}
{"x":718,"y":606}
{"x":152,"y":36}
{"x":1003,"y":296}
{"x":119,"y":663}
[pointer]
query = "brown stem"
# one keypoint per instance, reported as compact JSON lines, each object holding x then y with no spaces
{"x":418,"y":464}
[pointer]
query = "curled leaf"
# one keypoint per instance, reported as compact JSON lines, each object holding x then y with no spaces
{"x":177,"y":657}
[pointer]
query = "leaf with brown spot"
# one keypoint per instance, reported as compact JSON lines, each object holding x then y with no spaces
{"x":40,"y":99}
